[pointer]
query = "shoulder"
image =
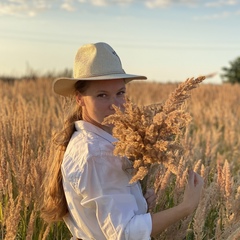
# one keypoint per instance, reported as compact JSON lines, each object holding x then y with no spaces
{"x":86,"y":147}
{"x":85,"y":143}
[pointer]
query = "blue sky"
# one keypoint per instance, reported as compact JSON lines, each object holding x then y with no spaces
{"x":166,"y":40}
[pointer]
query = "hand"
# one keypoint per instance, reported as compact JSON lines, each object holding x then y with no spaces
{"x":150,"y":197}
{"x":193,"y":191}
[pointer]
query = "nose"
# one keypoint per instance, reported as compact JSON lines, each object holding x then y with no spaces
{"x":117,"y":102}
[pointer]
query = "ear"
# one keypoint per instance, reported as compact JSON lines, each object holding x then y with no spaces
{"x":79,"y":99}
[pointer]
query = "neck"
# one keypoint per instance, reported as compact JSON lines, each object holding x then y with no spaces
{"x":86,"y":118}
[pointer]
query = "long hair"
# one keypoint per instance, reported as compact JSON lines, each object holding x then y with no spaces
{"x":54,"y":205}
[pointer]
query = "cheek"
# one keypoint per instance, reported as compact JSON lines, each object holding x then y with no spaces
{"x":122,"y":103}
{"x":100,"y":109}
{"x":123,"y":100}
{"x":100,"y":106}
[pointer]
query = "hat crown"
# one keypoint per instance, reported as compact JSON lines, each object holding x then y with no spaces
{"x":93,"y":62}
{"x":97,"y":59}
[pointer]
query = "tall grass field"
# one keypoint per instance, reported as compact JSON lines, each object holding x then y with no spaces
{"x":30,"y":114}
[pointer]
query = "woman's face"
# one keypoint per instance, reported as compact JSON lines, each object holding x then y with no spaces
{"x":98,"y":99}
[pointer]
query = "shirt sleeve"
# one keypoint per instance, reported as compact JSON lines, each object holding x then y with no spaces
{"x":139,"y":228}
{"x":105,"y":189}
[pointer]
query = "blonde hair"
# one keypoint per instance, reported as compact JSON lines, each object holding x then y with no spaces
{"x":54,"y":204}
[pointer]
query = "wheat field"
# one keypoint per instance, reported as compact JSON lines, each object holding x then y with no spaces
{"x":30,"y":113}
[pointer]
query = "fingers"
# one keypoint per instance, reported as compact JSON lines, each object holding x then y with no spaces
{"x":191,"y":177}
{"x":193,"y":191}
{"x":198,"y":180}
{"x":150,"y":197}
{"x":149,"y":193}
{"x":194,"y":179}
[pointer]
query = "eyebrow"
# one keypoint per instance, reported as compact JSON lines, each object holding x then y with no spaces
{"x":123,"y":88}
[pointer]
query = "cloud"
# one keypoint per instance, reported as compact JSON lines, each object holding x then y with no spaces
{"x":68,"y":6}
{"x":221,"y":15}
{"x":102,"y":3}
{"x":33,"y":7}
{"x":147,"y":3}
{"x":221,"y":3}
{"x":166,"y":3}
{"x":157,"y":3}
{"x":23,"y":7}
{"x":214,"y":16}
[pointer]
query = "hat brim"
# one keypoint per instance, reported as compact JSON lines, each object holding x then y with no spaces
{"x":65,"y":86}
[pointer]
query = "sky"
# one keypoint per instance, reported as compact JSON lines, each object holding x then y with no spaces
{"x":165,"y":40}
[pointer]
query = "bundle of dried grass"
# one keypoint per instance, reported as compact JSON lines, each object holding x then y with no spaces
{"x":151,"y":134}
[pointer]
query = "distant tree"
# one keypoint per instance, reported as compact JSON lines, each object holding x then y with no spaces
{"x":32,"y":74}
{"x":65,"y":73}
{"x":232,"y":74}
{"x":8,"y":79}
{"x":62,"y":73}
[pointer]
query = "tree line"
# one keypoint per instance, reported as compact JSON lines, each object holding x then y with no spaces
{"x":230,"y":74}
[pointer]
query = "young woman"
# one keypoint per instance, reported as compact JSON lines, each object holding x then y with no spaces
{"x":87,"y":186}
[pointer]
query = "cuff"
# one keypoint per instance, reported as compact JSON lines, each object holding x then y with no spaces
{"x":139,"y":228}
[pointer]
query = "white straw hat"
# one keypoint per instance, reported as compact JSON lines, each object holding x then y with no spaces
{"x":93,"y":62}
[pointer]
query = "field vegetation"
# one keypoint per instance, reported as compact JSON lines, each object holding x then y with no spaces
{"x":31,"y":113}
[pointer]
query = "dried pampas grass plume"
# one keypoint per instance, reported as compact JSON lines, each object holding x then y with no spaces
{"x":151,"y":134}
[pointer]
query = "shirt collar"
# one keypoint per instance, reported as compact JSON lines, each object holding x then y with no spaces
{"x":82,"y":125}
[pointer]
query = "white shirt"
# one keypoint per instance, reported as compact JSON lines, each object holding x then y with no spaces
{"x":102,"y":204}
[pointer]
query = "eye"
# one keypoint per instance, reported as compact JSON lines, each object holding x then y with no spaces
{"x":121,"y":93}
{"x":102,"y":95}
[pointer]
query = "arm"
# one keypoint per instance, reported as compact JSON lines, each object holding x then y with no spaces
{"x":120,"y":208}
{"x":163,"y":219}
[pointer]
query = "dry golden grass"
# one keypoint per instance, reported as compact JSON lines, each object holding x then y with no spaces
{"x":30,"y":113}
{"x":152,"y":134}
{"x":211,"y":144}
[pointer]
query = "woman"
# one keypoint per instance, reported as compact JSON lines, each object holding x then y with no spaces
{"x":88,"y":186}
